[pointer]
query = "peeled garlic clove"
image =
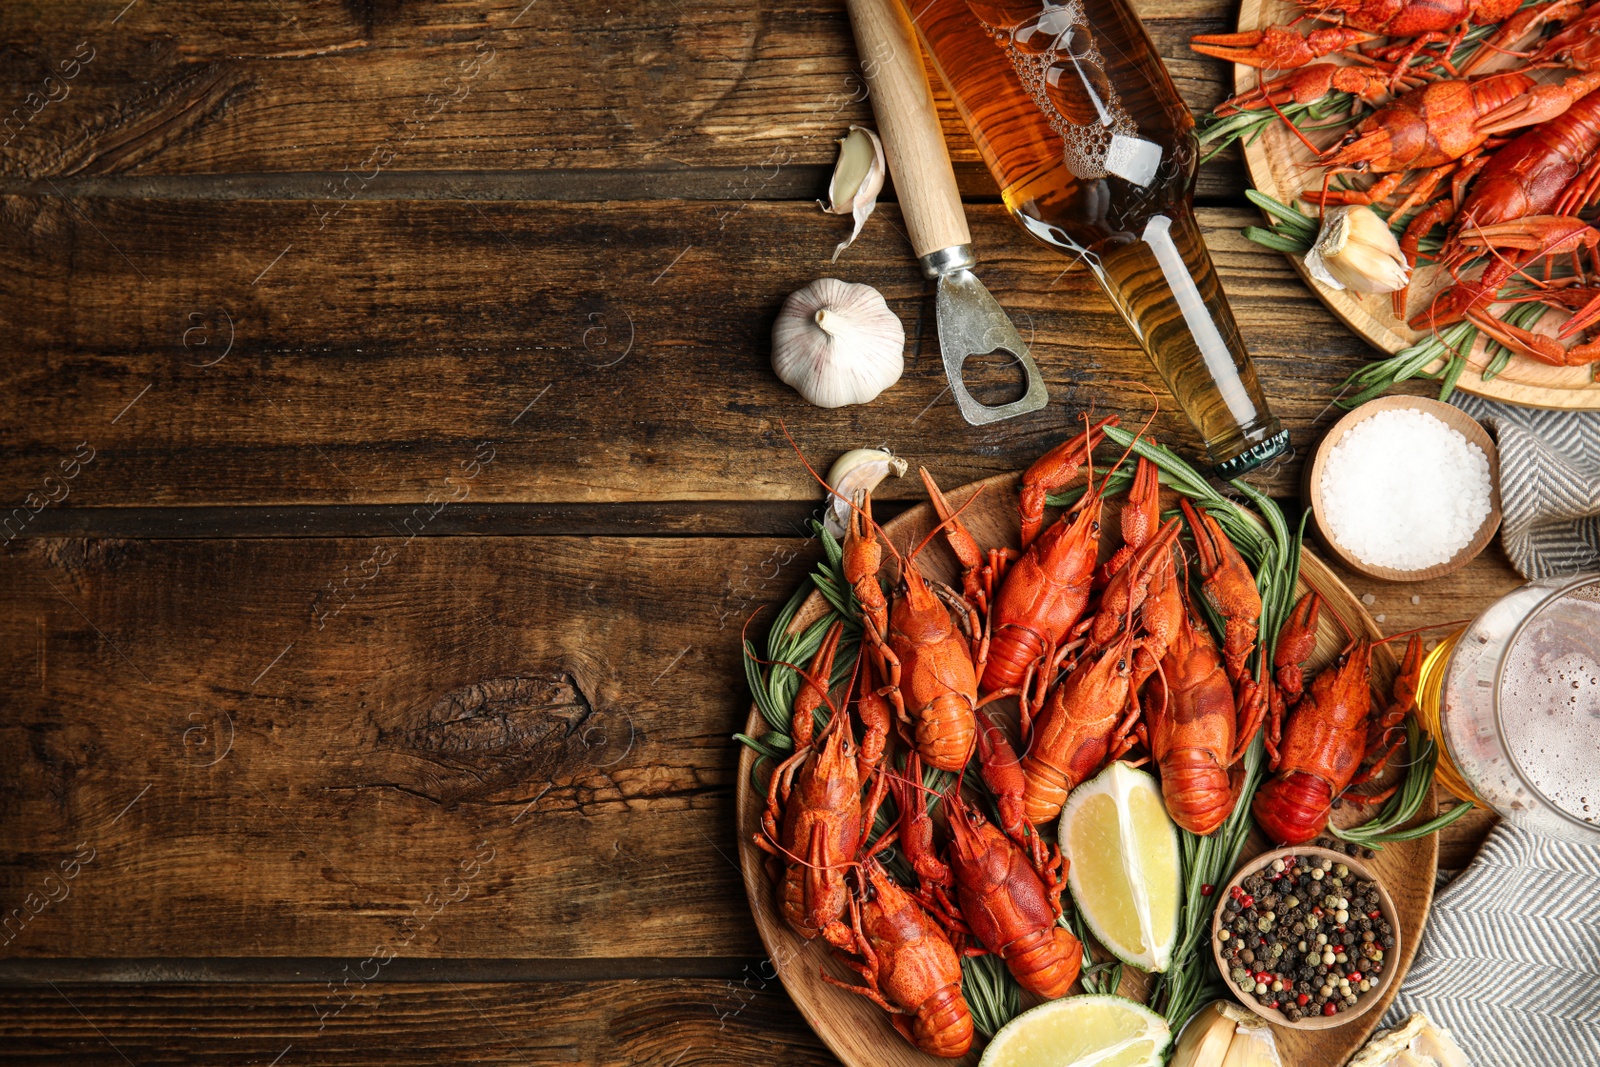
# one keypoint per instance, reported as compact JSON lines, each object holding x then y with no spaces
{"x":1356,"y":250}
{"x":837,"y":343}
{"x":857,"y":470}
{"x":857,"y":180}
{"x":1436,"y":1046}
{"x":1252,"y":1046}
{"x":1414,"y":1043}
{"x":1205,"y":1038}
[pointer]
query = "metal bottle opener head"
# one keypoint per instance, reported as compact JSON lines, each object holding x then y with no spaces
{"x":971,"y":323}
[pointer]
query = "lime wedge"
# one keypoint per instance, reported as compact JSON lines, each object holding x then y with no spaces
{"x":1083,"y":1031}
{"x":1125,"y":875}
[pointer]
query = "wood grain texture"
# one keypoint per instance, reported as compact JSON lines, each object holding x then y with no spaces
{"x":604,"y":1023}
{"x":445,"y":85}
{"x":247,"y":352}
{"x":859,"y":1033}
{"x":1277,"y":163}
{"x":489,"y":747}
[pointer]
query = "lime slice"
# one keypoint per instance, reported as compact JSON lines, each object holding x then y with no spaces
{"x":1083,"y":1031}
{"x":1125,"y":875}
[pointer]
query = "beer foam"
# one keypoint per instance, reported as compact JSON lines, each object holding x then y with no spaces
{"x":1550,"y":704}
{"x":1084,"y":148}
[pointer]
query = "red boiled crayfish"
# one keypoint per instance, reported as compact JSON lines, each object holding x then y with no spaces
{"x":1330,"y":731}
{"x":909,"y":966}
{"x":1082,"y":727}
{"x":1197,"y":728}
{"x":1539,"y":238}
{"x":929,"y":677}
{"x":1034,"y":602}
{"x":818,"y":795}
{"x":914,"y":661}
{"x":1423,"y":22}
{"x":1003,"y":903}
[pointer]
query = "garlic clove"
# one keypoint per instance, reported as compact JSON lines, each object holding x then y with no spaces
{"x":1205,"y":1038}
{"x":1252,"y":1046}
{"x":1414,"y":1043}
{"x":1222,"y":1034}
{"x":837,"y":343}
{"x":857,"y":180}
{"x":858,"y":470}
{"x":1436,"y":1047}
{"x":1356,"y":250}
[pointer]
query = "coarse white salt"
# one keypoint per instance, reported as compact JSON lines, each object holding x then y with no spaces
{"x":1404,"y":490}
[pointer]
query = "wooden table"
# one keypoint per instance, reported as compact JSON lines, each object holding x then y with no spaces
{"x":393,"y":458}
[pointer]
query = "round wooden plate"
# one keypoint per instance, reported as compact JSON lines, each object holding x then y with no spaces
{"x":1279,"y":165}
{"x":859,"y":1033}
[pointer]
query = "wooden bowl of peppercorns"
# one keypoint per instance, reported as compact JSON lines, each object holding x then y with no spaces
{"x":1277,"y":924}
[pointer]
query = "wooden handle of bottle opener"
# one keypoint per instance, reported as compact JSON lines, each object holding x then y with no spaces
{"x":891,"y":59}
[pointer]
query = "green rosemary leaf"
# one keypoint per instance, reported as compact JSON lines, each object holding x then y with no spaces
{"x":1453,"y":370}
{"x":1276,"y":241}
{"x":1432,"y":826}
{"x":993,"y":996}
{"x":768,"y":744}
{"x":1291,"y":218}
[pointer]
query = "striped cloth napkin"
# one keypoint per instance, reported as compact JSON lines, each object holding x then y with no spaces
{"x":1510,"y":959}
{"x":1549,"y":488}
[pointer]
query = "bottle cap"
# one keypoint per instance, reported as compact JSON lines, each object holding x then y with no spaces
{"x":1254,"y":456}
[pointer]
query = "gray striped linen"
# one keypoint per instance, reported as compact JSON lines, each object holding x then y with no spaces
{"x":1549,"y":487}
{"x":1510,"y":957}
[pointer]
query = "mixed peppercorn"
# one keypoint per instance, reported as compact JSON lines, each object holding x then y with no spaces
{"x":1305,"y":936}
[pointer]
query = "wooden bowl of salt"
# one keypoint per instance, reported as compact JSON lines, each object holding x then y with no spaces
{"x":1395,"y":495}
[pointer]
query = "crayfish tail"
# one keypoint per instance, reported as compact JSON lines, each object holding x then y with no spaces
{"x":1045,"y":962}
{"x":1293,"y":808}
{"x":943,"y":1024}
{"x":1045,"y":790}
{"x":1199,"y":794}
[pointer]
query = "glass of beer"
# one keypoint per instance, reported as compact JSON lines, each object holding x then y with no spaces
{"x":1519,"y":707}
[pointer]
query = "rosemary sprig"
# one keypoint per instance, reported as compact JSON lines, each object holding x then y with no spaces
{"x":1403,"y":806}
{"x":1102,"y":977}
{"x":1410,"y":362}
{"x":993,"y":996}
{"x":1330,"y":112}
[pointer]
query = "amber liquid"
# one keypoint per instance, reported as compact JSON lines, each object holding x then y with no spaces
{"x":1095,"y":155}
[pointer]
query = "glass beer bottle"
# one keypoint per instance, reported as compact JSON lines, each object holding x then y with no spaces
{"x":1095,"y":155}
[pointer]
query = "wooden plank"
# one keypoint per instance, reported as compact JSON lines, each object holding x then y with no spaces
{"x":348,"y":90}
{"x":620,"y":1023}
{"x":512,"y":747}
{"x":250,"y":352}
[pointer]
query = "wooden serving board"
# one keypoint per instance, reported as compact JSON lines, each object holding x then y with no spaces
{"x":1280,"y":166}
{"x":859,"y":1033}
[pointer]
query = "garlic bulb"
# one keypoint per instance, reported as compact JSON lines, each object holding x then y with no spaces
{"x":1222,"y":1034}
{"x":837,"y":343}
{"x":857,"y":181}
{"x":1415,"y":1043}
{"x":1356,"y":250}
{"x":858,"y":470}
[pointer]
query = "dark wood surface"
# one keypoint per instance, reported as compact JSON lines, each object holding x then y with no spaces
{"x":369,"y":682}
